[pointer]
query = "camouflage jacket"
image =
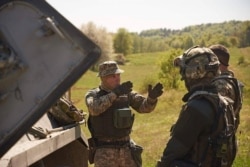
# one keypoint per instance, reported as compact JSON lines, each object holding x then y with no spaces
{"x":96,"y":106}
{"x":224,"y":87}
{"x":232,"y":88}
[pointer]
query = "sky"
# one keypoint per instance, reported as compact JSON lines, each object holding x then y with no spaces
{"x":138,"y":15}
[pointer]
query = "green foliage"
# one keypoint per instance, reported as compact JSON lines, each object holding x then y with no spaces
{"x":231,"y":34}
{"x":147,"y":44}
{"x":148,"y":80}
{"x":123,"y":42}
{"x":152,"y":130}
{"x":169,"y":75}
{"x":241,"y":60}
{"x":102,"y":38}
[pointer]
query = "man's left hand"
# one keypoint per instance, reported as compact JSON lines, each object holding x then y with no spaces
{"x":156,"y":91}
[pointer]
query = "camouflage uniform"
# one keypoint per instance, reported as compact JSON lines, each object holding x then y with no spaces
{"x":189,"y":144}
{"x":100,"y":105}
{"x":114,"y":157}
{"x":113,"y":143}
{"x":225,"y":85}
{"x":232,"y":88}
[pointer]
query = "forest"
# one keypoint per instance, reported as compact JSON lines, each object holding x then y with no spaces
{"x":230,"y":33}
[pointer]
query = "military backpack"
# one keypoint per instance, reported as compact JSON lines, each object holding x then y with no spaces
{"x":221,"y":146}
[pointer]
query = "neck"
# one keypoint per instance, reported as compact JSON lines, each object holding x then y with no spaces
{"x":104,"y":87}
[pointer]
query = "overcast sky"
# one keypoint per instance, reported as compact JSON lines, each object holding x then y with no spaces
{"x":138,"y":15}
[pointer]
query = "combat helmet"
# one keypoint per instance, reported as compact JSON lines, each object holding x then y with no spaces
{"x":197,"y":63}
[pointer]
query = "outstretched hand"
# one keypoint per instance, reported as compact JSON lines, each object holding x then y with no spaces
{"x":124,"y":88}
{"x":156,"y":91}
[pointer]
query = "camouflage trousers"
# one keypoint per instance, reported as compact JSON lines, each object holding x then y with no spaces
{"x":114,"y":157}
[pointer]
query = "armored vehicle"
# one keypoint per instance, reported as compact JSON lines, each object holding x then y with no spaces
{"x":41,"y":56}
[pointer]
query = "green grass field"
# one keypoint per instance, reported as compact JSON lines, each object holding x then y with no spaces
{"x":152,"y":130}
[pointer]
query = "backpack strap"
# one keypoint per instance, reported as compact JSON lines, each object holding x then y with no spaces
{"x":223,"y":125}
{"x":211,"y":98}
{"x":238,"y":89}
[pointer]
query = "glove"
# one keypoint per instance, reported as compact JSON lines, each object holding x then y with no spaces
{"x":124,"y":88}
{"x":155,"y":92}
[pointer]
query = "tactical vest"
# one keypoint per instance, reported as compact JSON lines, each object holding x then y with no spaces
{"x":112,"y":123}
{"x":220,"y":149}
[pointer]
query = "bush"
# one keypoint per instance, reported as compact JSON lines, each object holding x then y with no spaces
{"x":148,"y":80}
{"x":241,"y":60}
{"x":169,"y":74}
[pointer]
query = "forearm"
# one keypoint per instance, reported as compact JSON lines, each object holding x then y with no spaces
{"x":96,"y":106}
{"x":148,"y":105}
{"x":142,"y":104}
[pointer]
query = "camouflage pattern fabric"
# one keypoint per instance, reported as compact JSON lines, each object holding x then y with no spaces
{"x":231,"y":89}
{"x":96,"y":106}
{"x":196,"y":62}
{"x":114,"y":157}
{"x":109,"y":67}
{"x":225,"y":88}
{"x":64,"y":112}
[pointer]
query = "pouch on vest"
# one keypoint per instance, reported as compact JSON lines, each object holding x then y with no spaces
{"x":123,"y":118}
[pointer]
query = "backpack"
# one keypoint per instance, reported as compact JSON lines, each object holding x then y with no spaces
{"x":65,"y":112}
{"x":222,"y":140}
{"x":221,"y":147}
{"x":238,"y":89}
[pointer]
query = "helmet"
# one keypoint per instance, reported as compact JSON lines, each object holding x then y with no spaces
{"x":197,"y":62}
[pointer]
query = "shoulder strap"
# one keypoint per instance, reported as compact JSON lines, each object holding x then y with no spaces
{"x":211,"y":98}
{"x":224,"y":121}
{"x":238,"y":89}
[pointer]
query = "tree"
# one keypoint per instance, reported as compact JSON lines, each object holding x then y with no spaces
{"x":136,"y":43}
{"x":188,"y":42}
{"x":123,"y":42}
{"x":169,"y":75}
{"x":101,"y":37}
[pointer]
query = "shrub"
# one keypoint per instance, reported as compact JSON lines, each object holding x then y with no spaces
{"x":169,"y":75}
{"x":148,"y":80}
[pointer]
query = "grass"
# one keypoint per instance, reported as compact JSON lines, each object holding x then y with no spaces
{"x":152,"y":130}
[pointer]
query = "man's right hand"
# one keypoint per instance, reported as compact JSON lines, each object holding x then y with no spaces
{"x":124,"y":88}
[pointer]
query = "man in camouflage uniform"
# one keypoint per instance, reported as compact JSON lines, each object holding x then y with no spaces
{"x":111,"y":119}
{"x":226,"y":84}
{"x":191,"y":142}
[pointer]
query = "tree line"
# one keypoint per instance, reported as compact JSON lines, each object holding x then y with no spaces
{"x":231,"y":34}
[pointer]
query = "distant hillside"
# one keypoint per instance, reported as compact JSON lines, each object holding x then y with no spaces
{"x":231,"y":34}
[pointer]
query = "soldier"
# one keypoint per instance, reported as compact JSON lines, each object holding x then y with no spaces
{"x":226,"y":84}
{"x":201,"y":135}
{"x":111,"y":119}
